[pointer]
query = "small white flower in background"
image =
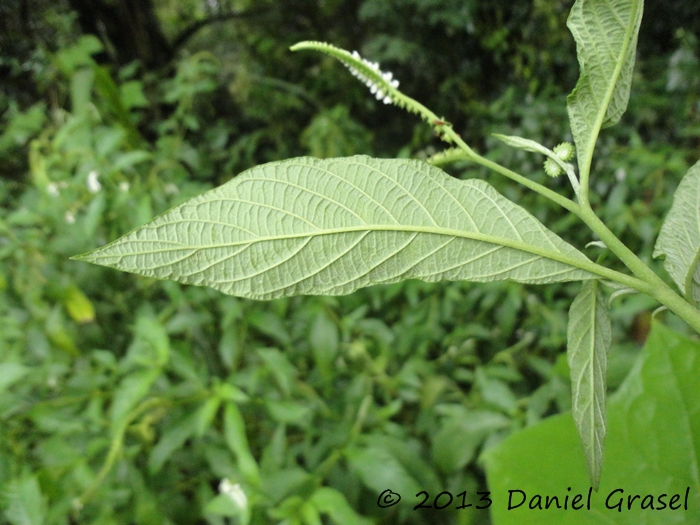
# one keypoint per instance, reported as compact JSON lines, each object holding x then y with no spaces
{"x":235,"y":492}
{"x":92,"y":183}
{"x":620,"y":174}
{"x":70,"y":218}
{"x":373,"y":87}
{"x":171,"y":189}
{"x":53,"y":190}
{"x":124,"y":186}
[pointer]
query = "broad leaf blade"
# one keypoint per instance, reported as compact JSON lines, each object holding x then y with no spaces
{"x":309,"y":226}
{"x":606,"y":40}
{"x":589,"y":335}
{"x":679,"y":239}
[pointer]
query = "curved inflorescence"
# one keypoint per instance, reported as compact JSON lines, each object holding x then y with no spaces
{"x":382,"y":84}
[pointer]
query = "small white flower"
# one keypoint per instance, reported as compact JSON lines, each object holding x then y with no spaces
{"x":170,"y":189}
{"x":620,"y":174}
{"x":70,"y":218}
{"x":124,"y":186}
{"x":235,"y":492}
{"x":53,"y":190}
{"x":92,"y":183}
{"x":376,"y":89}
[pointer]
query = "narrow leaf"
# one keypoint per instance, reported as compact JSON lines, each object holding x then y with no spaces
{"x":606,"y":40}
{"x":679,"y":239}
{"x":309,"y":226}
{"x":556,"y":160}
{"x":589,"y":335}
{"x":523,"y":144}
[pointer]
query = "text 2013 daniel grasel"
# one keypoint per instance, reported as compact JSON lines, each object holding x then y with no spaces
{"x":616,"y":500}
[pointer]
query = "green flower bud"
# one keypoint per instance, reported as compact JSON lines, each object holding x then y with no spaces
{"x":564,"y":151}
{"x":551,"y":168}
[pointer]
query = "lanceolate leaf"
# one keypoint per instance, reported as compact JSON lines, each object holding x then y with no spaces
{"x":309,"y":226}
{"x":606,"y":39}
{"x":589,"y":335}
{"x":521,"y":143}
{"x":679,"y":239}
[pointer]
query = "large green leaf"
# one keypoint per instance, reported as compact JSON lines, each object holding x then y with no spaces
{"x":309,"y":226}
{"x":606,"y":39}
{"x":589,"y":334}
{"x":652,"y":448}
{"x":679,"y":239}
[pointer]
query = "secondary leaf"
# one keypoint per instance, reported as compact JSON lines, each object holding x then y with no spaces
{"x":652,"y":450}
{"x":589,"y":335}
{"x":606,"y":40}
{"x":309,"y":226}
{"x":679,"y":239}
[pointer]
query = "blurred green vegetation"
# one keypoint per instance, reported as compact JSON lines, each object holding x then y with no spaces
{"x":128,"y":400}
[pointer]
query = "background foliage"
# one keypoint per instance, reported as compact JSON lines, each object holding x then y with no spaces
{"x":128,"y":400}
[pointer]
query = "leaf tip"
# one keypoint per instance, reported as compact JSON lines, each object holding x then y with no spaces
{"x":84,"y":257}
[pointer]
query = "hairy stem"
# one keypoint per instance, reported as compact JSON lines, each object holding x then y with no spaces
{"x":542,"y":190}
{"x":645,"y":280}
{"x":657,"y":288}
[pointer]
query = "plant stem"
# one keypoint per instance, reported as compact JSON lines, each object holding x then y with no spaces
{"x":565,"y":203}
{"x":646,"y":280}
{"x":656,"y":288}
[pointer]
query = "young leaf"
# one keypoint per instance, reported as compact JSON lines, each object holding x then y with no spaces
{"x":309,"y":226}
{"x":556,"y":160}
{"x":679,"y":239}
{"x":606,"y":40}
{"x":523,"y":144}
{"x":589,"y":334}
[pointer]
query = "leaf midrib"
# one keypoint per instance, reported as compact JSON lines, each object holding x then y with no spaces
{"x":603,"y":109}
{"x":577,"y":262}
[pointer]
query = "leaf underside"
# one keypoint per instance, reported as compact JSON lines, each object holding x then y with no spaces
{"x":309,"y":226}
{"x":679,"y":239}
{"x":589,"y":336}
{"x":606,"y":40}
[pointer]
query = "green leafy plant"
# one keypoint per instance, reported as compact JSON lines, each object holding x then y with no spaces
{"x":329,"y":227}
